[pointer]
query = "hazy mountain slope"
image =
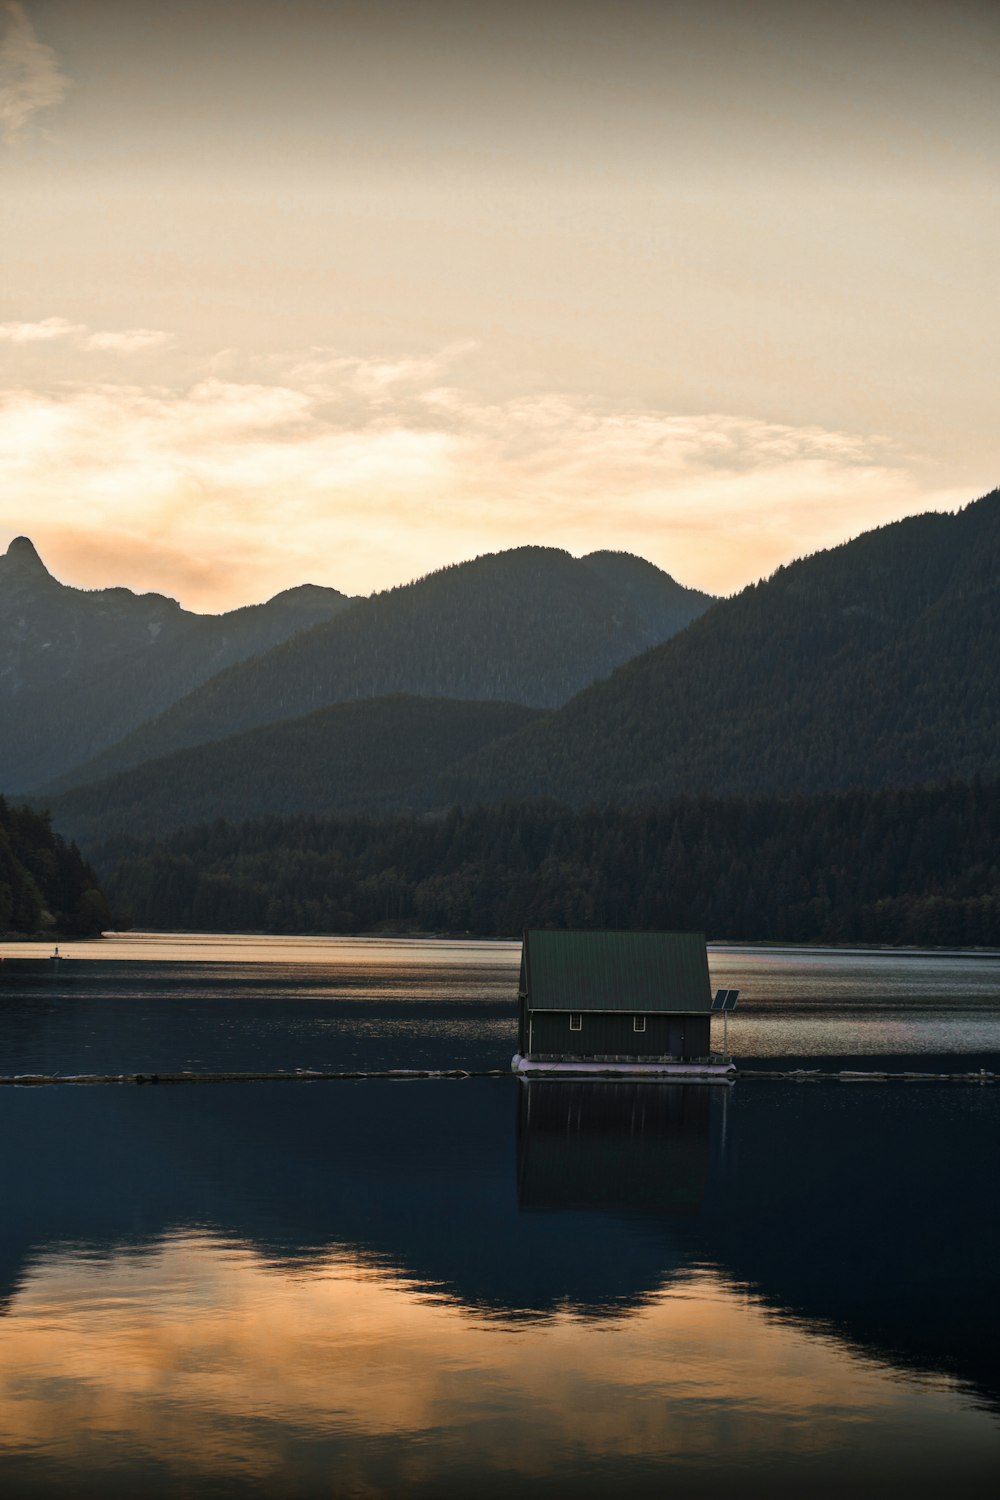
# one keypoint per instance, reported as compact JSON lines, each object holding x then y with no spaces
{"x":79,"y":669}
{"x":532,"y":625}
{"x":370,"y":754}
{"x":874,"y":664}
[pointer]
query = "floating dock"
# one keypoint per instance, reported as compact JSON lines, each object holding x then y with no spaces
{"x":693,"y":1070}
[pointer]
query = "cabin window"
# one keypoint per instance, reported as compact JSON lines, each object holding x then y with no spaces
{"x":638,"y":1023}
{"x":576,"y":1022}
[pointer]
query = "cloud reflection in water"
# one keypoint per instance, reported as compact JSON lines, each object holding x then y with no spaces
{"x":198,"y":1357}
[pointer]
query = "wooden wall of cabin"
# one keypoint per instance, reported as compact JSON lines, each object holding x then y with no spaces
{"x":613,"y":1035}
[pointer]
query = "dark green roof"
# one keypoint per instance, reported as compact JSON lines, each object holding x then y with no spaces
{"x":632,"y":971}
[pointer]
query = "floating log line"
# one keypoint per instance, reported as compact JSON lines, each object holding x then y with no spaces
{"x":296,"y":1075}
{"x":402,"y":1075}
{"x":852,"y":1075}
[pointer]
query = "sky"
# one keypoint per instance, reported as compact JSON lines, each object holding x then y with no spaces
{"x":341,"y":291}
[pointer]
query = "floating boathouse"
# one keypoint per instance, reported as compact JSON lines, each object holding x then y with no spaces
{"x":615,"y":1002}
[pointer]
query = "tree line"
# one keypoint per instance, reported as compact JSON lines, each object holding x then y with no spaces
{"x":917,"y":866}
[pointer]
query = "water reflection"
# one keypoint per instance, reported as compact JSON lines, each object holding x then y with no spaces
{"x":197,"y":1360}
{"x":260,"y":948}
{"x":630,"y":1147}
{"x":441,"y":1288}
{"x":157,"y":1003}
{"x":906,"y":1007}
{"x":372,"y":1010}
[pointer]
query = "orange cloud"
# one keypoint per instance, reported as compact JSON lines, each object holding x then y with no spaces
{"x":358,"y":473}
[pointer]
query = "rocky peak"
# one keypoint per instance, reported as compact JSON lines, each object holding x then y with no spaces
{"x":22,"y":558}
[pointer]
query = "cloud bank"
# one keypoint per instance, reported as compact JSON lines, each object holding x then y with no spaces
{"x":30,"y":78}
{"x":42,"y":332}
{"x":362,"y":473}
{"x":120,"y":341}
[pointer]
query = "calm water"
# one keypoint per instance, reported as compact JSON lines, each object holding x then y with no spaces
{"x":165,"y":1003}
{"x":445,"y":1288}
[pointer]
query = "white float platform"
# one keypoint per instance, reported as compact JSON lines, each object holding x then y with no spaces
{"x":693,"y":1072}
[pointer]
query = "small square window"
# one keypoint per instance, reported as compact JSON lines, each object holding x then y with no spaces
{"x":576,"y":1022}
{"x":638,"y":1023}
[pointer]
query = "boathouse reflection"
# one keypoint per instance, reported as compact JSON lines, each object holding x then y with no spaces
{"x":613,"y":1147}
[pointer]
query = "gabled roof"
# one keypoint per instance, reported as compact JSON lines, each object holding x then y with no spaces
{"x":626,"y":971}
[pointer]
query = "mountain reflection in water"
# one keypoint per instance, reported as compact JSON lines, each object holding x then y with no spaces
{"x":444,"y":1287}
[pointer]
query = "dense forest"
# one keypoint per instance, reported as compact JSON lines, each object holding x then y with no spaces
{"x":45,"y":885}
{"x":915,"y":866}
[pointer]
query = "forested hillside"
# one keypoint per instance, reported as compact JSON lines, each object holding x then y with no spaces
{"x":532,"y":626}
{"x":79,"y":669}
{"x":873,"y":664}
{"x":45,"y":886}
{"x":919,"y":867}
{"x":368,"y":755}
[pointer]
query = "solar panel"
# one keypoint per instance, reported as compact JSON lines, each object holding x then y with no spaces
{"x":729,"y":1003}
{"x":720,"y":999}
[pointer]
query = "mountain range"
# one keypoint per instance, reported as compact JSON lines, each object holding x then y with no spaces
{"x":873,"y":664}
{"x":81,"y":668}
{"x":531,"y":675}
{"x":532,"y":626}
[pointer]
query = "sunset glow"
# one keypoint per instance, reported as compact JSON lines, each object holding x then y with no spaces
{"x":346,"y":293}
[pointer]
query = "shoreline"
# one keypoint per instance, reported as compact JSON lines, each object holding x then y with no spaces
{"x":42,"y":946}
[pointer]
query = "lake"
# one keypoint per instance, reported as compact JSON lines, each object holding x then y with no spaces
{"x":454,"y":1287}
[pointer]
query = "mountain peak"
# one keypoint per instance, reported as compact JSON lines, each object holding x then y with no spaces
{"x":22,"y":554}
